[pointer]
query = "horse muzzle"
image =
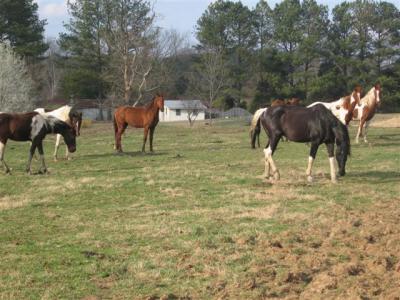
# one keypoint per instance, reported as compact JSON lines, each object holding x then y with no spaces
{"x":72,"y":149}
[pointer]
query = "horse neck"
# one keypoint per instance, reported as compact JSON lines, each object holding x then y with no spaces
{"x":152,"y":108}
{"x":54,"y":125}
{"x":369,"y":99}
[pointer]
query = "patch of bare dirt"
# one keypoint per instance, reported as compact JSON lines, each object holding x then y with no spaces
{"x":341,"y":255}
{"x":386,"y":120}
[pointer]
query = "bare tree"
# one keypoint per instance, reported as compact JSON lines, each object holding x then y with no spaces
{"x":193,"y":108}
{"x":16,"y":86}
{"x":209,"y":77}
{"x":131,"y":37}
{"x":52,"y":73}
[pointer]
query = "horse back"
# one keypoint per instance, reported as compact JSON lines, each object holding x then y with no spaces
{"x":133,"y":116}
{"x":16,"y":126}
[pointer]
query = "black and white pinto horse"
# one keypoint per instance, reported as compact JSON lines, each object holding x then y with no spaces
{"x":67,"y":114}
{"x":33,"y":127}
{"x":316,"y":125}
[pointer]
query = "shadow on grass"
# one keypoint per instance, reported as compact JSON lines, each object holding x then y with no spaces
{"x":379,"y":176}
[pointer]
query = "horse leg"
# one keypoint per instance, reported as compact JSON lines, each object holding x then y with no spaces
{"x":313,"y":153}
{"x":267,"y":166}
{"x":58,"y":140}
{"x":365,"y":131}
{"x":146,"y":132}
{"x":43,"y":168}
{"x":360,"y":126}
{"x":151,"y":138}
{"x":2,"y":148}
{"x":31,"y":152}
{"x":331,"y":147}
{"x":118,"y":137}
{"x":268,"y":152}
{"x":258,"y":139}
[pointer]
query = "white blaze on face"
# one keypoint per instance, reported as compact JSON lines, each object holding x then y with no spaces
{"x":378,"y":96}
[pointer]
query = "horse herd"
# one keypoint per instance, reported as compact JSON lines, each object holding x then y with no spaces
{"x":316,"y":124}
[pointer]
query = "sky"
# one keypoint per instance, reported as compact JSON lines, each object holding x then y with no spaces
{"x":181,"y":15}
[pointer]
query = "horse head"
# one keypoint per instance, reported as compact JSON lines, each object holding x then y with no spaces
{"x":69,"y":134}
{"x":293,"y":101}
{"x":76,"y":121}
{"x":343,"y":146}
{"x":355,"y":99}
{"x":277,"y":102}
{"x":159,"y":101}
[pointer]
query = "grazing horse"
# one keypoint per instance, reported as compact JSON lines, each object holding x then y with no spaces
{"x":140,"y":117}
{"x":33,"y":127}
{"x":255,"y":127}
{"x":67,"y":114}
{"x":366,"y":110}
{"x":343,"y":108}
{"x":316,"y":125}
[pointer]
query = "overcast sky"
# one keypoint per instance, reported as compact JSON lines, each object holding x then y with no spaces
{"x":181,"y":15}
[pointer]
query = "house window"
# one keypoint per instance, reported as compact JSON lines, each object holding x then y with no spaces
{"x":178,"y":112}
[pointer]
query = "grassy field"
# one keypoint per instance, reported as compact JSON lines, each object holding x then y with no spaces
{"x":196,"y":220}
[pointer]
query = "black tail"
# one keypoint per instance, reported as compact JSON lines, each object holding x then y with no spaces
{"x":255,"y":134}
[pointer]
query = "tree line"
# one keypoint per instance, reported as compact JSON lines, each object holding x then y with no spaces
{"x":244,"y":56}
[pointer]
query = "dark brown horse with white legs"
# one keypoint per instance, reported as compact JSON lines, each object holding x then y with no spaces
{"x":33,"y":127}
{"x":316,"y":125}
{"x":140,"y":117}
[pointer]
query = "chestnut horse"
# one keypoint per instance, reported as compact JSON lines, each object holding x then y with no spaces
{"x":343,"y":108}
{"x":255,"y":127}
{"x":33,"y":127}
{"x":366,"y":110}
{"x":139,"y":117}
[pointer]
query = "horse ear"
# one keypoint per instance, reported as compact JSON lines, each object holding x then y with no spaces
{"x":377,"y":86}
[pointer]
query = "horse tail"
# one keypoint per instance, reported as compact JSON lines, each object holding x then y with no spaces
{"x":255,"y":126}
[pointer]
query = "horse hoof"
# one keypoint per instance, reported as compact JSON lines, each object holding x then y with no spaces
{"x":310,"y":179}
{"x":334,"y":181}
{"x":277,"y":175}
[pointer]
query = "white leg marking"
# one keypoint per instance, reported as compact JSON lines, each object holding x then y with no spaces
{"x":365,"y":131}
{"x":333,"y":170}
{"x":358,"y":133}
{"x":2,"y":148}
{"x":58,"y":139}
{"x":267,"y":167}
{"x":308,"y":171}
{"x":268,"y":155}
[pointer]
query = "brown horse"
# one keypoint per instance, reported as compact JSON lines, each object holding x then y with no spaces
{"x":365,"y":110}
{"x":139,"y":117}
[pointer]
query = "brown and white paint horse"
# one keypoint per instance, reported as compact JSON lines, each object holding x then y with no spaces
{"x":366,"y":109}
{"x":67,"y":114}
{"x":343,"y":108}
{"x":33,"y":127}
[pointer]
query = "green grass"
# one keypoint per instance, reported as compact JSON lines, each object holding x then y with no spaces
{"x":187,"y":220}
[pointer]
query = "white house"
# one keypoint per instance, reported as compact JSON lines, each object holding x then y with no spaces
{"x":180,"y":110}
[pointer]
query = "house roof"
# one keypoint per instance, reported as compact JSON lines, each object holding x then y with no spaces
{"x":184,"y":104}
